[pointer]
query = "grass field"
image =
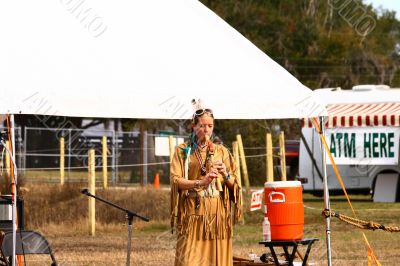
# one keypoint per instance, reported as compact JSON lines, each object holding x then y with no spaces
{"x":73,"y":176}
{"x":60,"y":214}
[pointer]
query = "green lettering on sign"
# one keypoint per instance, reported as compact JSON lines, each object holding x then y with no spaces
{"x":367,"y":145}
{"x":350,"y":147}
{"x":391,"y":144}
{"x":375,"y":145}
{"x":382,"y":143}
{"x":333,"y":145}
{"x":339,"y":136}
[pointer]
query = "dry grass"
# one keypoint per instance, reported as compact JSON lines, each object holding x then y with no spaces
{"x":73,"y":176}
{"x":60,"y":214}
{"x":47,"y":204}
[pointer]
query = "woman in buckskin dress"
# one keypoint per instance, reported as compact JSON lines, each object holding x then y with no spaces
{"x":203,"y":189}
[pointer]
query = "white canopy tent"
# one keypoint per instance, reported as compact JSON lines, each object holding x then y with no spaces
{"x":137,"y":59}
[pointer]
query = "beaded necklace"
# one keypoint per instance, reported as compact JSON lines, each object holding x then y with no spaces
{"x":203,"y":165}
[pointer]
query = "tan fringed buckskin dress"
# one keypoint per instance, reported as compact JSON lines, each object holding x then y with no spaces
{"x":203,"y":217}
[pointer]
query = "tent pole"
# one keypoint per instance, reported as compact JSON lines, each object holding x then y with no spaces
{"x":327,"y":205}
{"x":14,"y":188}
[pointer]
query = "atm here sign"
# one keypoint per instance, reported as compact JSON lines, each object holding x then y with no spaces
{"x":364,"y":145}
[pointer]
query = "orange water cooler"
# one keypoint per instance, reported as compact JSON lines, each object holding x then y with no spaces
{"x":284,"y":209}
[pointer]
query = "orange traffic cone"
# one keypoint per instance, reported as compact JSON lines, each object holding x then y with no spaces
{"x":157,"y":181}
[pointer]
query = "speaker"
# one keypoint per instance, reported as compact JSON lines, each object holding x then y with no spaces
{"x":6,"y":213}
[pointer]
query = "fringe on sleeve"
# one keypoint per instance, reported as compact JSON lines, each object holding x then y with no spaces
{"x":176,"y":172}
{"x":236,"y":198}
{"x":235,"y":194}
{"x":174,"y":203}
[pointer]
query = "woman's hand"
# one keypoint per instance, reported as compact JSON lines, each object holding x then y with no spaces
{"x":209,"y":177}
{"x":220,"y":167}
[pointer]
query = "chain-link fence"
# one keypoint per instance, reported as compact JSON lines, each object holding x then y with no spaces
{"x":132,"y":157}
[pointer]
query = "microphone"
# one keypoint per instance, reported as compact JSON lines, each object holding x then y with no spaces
{"x":85,"y":191}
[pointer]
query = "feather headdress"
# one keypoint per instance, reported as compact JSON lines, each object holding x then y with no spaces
{"x":197,"y":104}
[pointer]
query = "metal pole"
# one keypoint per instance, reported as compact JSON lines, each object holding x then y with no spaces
{"x":62,"y":160}
{"x":69,"y":155}
{"x":113,"y":143}
{"x":25,"y":143}
{"x":141,"y":154}
{"x":116,"y":157}
{"x":14,"y":198}
{"x":104,"y":154}
{"x":19,"y":130}
{"x":145,"y":151}
{"x":327,"y":204}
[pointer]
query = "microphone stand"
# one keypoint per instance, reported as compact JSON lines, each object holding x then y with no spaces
{"x":129,"y":215}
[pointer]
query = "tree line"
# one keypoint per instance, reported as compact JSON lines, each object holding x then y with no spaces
{"x":326,"y":43}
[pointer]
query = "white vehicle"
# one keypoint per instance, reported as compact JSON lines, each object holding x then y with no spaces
{"x":363,"y":134}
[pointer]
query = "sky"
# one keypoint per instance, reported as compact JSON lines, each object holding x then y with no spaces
{"x":386,"y":4}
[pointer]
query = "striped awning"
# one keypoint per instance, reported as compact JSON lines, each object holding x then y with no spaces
{"x":365,"y":114}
